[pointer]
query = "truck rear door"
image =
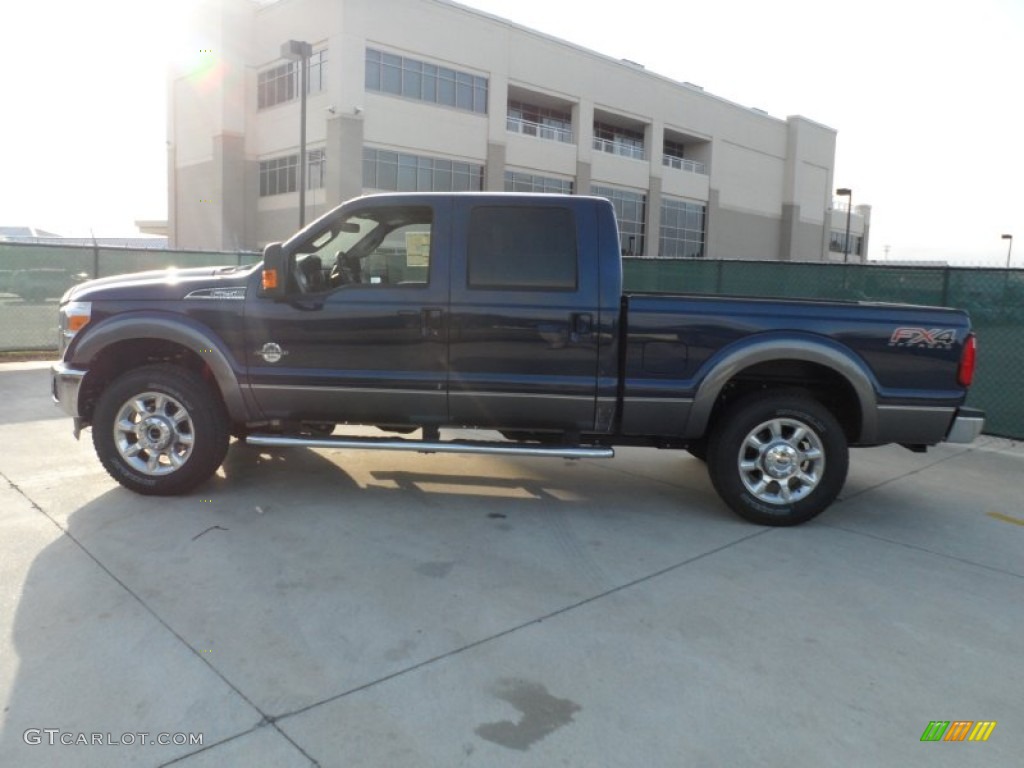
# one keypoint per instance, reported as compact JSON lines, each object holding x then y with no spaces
{"x":524,"y":311}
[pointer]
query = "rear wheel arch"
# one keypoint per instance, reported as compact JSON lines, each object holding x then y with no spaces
{"x":828,"y":374}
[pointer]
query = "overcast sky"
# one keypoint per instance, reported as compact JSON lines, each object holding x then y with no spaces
{"x":927,"y":97}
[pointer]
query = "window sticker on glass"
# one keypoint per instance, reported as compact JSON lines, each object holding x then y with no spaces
{"x":417,"y":249}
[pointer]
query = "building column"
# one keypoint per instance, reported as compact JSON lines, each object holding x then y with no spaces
{"x":494,"y":169}
{"x":652,"y":222}
{"x":711,"y":245}
{"x":654,"y":146}
{"x":864,"y":211}
{"x":344,"y":173}
{"x":582,"y":185}
{"x":583,"y":132}
{"x":228,"y":195}
{"x":787,"y":230}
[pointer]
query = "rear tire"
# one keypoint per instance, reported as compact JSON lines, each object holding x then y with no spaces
{"x":160,"y":430}
{"x":778,"y":458}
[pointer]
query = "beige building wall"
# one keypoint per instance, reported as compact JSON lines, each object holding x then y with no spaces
{"x":765,"y":182}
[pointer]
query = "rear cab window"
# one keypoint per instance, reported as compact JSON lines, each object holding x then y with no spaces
{"x":518,"y":248}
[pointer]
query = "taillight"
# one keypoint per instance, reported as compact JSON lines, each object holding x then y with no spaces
{"x":965,"y":374}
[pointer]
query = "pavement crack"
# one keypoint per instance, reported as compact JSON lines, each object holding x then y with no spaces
{"x":211,"y":528}
{"x":524,"y":625}
{"x":913,"y":472}
{"x":265,"y":719}
{"x":919,"y":548}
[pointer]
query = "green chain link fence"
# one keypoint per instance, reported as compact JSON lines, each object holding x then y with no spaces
{"x":33,"y":277}
{"x":994,"y":298}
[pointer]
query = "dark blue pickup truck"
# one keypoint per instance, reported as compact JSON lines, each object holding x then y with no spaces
{"x":418,"y":312}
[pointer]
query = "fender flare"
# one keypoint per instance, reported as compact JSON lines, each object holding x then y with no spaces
{"x":730,"y":361}
{"x":178,"y":329}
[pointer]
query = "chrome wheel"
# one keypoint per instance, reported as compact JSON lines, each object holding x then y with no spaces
{"x":153,"y":433}
{"x":781,"y":461}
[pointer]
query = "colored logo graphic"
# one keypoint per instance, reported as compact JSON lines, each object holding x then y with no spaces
{"x":958,"y":730}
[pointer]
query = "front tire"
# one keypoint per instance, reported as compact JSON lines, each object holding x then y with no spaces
{"x":778,"y":458}
{"x":160,"y":430}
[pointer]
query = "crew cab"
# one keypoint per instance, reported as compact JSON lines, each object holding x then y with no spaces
{"x":500,"y":313}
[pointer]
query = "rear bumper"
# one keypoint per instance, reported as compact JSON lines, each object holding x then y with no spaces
{"x":967,"y":425}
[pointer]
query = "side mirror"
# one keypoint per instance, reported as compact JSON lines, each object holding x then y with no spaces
{"x":275,"y":272}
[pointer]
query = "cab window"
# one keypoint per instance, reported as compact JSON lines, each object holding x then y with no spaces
{"x":380,"y":247}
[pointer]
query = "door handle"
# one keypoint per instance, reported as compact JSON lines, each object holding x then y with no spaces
{"x":432,"y":323}
{"x":581,"y":327}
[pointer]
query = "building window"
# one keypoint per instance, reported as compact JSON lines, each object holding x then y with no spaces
{"x":617,"y":140}
{"x":276,"y":85}
{"x":682,"y":229}
{"x":517,"y":181}
{"x":414,"y":79}
{"x":281,"y":83}
{"x":315,"y":168}
{"x":317,"y":73}
{"x":515,"y":248}
{"x":401,"y":172}
{"x":631,"y":213}
{"x":544,"y":123}
{"x":673,"y":158}
{"x":674,"y":149}
{"x":837,"y":242}
{"x":280,"y":175}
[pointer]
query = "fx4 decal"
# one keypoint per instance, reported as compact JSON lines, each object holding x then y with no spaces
{"x":935,"y":338}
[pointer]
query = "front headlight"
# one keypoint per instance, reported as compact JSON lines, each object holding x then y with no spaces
{"x":73,"y":317}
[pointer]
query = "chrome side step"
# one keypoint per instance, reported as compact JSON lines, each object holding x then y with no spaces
{"x":491,"y":447}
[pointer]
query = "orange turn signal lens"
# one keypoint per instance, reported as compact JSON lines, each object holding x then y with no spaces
{"x":77,"y":322}
{"x":269,"y":279}
{"x":74,"y":316}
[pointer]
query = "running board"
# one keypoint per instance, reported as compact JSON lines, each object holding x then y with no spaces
{"x":492,"y":447}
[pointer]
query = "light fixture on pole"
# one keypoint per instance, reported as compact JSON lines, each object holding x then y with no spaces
{"x":299,"y":50}
{"x":1009,"y":251}
{"x":847,"y":193}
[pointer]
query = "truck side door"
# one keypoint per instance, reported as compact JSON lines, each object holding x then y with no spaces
{"x":525,"y":306}
{"x":361,"y":337}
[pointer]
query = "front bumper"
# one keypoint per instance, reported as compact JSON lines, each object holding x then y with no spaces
{"x":65,"y":382}
{"x":967,"y":425}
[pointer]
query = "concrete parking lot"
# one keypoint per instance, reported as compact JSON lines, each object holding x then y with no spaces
{"x":342,"y":608}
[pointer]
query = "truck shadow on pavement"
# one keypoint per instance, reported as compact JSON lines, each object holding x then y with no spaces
{"x":364,"y":477}
{"x":292,"y":578}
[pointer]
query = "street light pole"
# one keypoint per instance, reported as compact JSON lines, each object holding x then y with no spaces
{"x":299,"y":50}
{"x":1009,"y":251}
{"x":847,"y":193}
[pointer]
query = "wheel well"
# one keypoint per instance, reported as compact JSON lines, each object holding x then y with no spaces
{"x":127,"y":355}
{"x":824,"y":384}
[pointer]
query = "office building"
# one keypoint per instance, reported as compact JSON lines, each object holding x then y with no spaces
{"x":432,"y":95}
